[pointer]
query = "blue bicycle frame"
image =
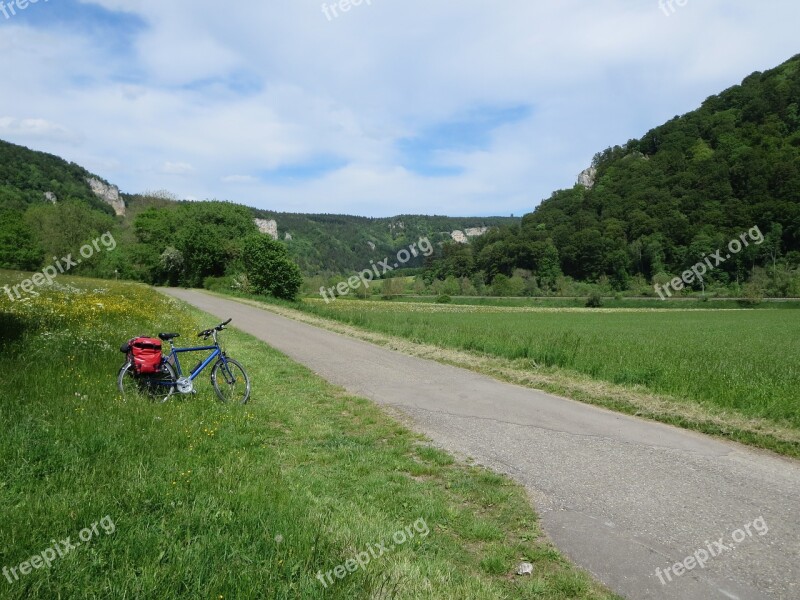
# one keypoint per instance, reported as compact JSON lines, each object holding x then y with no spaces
{"x":217,"y":352}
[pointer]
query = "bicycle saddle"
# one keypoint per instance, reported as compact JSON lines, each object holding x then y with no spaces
{"x":168,"y":336}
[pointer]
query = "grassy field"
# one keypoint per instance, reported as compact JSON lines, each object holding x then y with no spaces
{"x":742,"y":362}
{"x":195,"y":499}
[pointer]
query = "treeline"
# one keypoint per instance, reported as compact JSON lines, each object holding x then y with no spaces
{"x":338,"y":244}
{"x":661,"y":203}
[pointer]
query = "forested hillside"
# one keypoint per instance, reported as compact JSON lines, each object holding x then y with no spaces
{"x":26,"y":176}
{"x":660,"y":203}
{"x":47,"y":209}
{"x":332,"y":244}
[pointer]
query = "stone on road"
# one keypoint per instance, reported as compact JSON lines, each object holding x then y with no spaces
{"x":622,"y":497}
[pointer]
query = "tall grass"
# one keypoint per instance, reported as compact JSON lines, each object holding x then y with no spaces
{"x":216,"y":501}
{"x":741,"y":360}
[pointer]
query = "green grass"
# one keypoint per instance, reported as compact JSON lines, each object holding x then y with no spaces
{"x":215,"y":501}
{"x":739,"y":360}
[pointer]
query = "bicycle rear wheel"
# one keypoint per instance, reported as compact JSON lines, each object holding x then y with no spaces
{"x":230,"y":381}
{"x":157,"y":387}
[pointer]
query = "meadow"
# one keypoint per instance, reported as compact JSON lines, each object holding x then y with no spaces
{"x":217,"y":501}
{"x":745,"y":362}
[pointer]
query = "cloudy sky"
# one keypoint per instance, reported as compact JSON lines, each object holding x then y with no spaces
{"x":391,"y":107}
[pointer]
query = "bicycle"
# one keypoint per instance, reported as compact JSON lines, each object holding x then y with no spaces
{"x":228,"y":377}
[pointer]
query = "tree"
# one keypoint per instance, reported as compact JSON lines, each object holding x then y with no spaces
{"x":172,"y":264}
{"x":203,"y":250}
{"x":451,"y":286}
{"x":548,"y":268}
{"x":504,"y":286}
{"x":18,"y":246}
{"x":772,"y":243}
{"x":457,"y":261}
{"x":269,"y":268}
{"x":64,"y":227}
{"x":394,"y":286}
{"x":467,"y":288}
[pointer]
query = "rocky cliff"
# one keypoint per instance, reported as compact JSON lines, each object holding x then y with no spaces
{"x":108,"y":194}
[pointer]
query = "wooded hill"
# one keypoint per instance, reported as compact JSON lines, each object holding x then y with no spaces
{"x":660,"y":203}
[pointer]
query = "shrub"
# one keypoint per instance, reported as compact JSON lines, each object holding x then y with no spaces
{"x":753,"y":295}
{"x":269,"y":268}
{"x":444,"y":299}
{"x":218,"y":284}
{"x":595,"y":300}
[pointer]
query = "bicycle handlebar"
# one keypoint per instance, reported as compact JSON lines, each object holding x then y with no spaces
{"x":208,"y":332}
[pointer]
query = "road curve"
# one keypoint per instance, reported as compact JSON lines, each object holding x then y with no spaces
{"x":622,"y":497}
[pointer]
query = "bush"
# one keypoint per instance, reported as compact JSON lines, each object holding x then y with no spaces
{"x":218,"y":284}
{"x":269,"y":268}
{"x":753,"y":295}
{"x":595,"y":300}
{"x":509,"y":287}
{"x":444,"y":299}
{"x":392,"y":288}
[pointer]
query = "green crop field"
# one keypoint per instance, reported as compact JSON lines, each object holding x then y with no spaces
{"x":745,"y":362}
{"x":196,"y":499}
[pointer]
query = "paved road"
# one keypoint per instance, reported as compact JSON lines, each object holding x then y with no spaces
{"x":620,"y":496}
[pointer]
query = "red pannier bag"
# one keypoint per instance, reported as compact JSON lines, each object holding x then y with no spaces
{"x":145,"y":355}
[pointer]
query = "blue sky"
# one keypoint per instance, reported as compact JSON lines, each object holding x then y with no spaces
{"x":468,"y":108}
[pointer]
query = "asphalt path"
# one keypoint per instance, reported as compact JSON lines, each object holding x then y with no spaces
{"x":624,"y":498}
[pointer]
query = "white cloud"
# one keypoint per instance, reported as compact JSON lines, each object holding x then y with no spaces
{"x":36,"y":130}
{"x":177,"y":168}
{"x":223,"y":92}
{"x":239,"y":179}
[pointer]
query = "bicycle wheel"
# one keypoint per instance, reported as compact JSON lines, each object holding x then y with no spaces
{"x":230,"y":381}
{"x":155,"y":388}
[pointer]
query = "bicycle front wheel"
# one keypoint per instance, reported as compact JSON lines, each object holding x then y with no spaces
{"x":230,"y":381}
{"x":156,"y":388}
